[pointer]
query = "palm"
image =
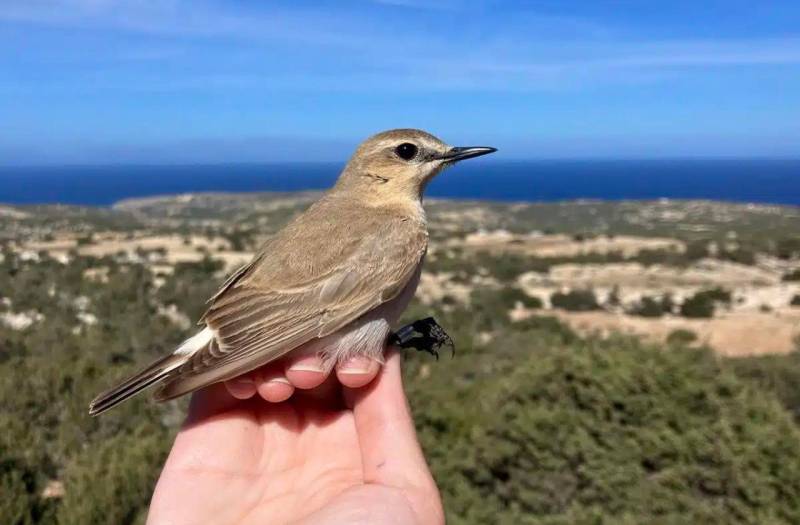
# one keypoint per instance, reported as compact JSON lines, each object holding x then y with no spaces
{"x":309,"y":459}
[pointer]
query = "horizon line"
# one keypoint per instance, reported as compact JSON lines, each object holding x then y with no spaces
{"x":660,"y":158}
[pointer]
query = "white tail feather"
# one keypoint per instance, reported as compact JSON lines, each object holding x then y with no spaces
{"x":196,"y":342}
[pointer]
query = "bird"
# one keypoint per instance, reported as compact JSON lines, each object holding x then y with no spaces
{"x":333,"y":281}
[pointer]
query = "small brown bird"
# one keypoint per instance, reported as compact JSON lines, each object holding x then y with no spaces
{"x":333,"y":281}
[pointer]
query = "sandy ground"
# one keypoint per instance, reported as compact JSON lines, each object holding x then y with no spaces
{"x":743,"y":329}
{"x":566,"y":246}
{"x":707,"y":272}
{"x":434,"y":287}
{"x":753,"y":287}
{"x":175,"y":247}
{"x":11,"y":213}
{"x":731,"y":334}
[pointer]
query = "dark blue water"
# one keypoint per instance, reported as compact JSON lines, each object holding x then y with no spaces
{"x":763,"y":181}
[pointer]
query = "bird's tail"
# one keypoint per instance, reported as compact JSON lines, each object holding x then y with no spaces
{"x":150,"y":375}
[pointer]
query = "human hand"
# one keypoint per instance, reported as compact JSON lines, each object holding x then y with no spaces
{"x":329,"y":455}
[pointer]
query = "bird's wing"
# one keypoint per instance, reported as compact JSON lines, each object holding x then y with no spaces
{"x":306,"y":283}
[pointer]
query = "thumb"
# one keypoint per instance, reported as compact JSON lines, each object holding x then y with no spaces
{"x":389,"y":447}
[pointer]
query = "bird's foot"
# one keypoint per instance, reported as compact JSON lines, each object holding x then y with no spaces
{"x":424,"y":335}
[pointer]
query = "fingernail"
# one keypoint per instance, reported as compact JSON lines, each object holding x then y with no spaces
{"x":241,"y":387}
{"x":358,"y":365}
{"x":308,"y":364}
{"x":281,"y":380}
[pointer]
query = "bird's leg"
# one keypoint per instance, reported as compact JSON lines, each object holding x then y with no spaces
{"x":424,"y":335}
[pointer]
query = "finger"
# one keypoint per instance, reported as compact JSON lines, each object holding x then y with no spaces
{"x":242,"y":387}
{"x":306,"y":372}
{"x":326,"y":397}
{"x":357,"y":372}
{"x":390,"y":450}
{"x":272,"y":385}
{"x":210,"y":401}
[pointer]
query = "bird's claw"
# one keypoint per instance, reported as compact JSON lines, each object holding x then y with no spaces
{"x":424,"y":335}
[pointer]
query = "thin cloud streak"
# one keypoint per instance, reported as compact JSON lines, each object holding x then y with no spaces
{"x":504,"y":70}
{"x":132,"y":71}
{"x":497,"y":58}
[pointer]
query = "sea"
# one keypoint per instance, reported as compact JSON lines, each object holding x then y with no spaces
{"x":749,"y":181}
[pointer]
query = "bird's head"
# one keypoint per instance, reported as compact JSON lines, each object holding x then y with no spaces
{"x":400,"y":163}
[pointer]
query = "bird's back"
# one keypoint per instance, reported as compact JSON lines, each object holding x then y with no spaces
{"x":326,"y":235}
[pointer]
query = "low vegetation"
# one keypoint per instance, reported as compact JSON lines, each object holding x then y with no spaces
{"x":681,"y":336}
{"x":560,"y":428}
{"x":575,"y":301}
{"x":653,"y":306}
{"x":704,"y":303}
{"x":606,"y":431}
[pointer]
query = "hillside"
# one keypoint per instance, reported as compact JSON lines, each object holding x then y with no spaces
{"x":595,"y":345}
{"x":640,"y":260}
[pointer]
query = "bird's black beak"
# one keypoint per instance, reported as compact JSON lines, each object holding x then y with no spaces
{"x":461,"y":153}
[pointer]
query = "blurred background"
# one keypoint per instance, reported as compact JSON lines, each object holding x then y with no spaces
{"x":622,"y":279}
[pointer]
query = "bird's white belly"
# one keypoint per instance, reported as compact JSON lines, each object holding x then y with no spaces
{"x":367,"y":334}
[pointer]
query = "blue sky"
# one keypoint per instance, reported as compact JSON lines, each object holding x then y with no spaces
{"x":172,"y":81}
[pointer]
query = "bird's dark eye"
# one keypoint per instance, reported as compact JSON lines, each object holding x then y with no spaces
{"x":406,"y":151}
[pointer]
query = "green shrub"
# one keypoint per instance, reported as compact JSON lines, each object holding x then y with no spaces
{"x":547,"y":324}
{"x":792,"y":276}
{"x":575,"y":301}
{"x":85,"y":240}
{"x":506,"y":267}
{"x":512,"y":295}
{"x":650,"y":257}
{"x":696,"y":250}
{"x":190,"y":285}
{"x":717,"y":294}
{"x":779,"y":374}
{"x":119,"y":475}
{"x":739,"y":255}
{"x":788,"y":248}
{"x":614,"y":297}
{"x":652,"y":307}
{"x":795,"y":300}
{"x":241,"y":240}
{"x":681,"y":337}
{"x":18,"y":484}
{"x":610,"y":432}
{"x":703,"y":303}
{"x":489,"y":307}
{"x":698,"y":307}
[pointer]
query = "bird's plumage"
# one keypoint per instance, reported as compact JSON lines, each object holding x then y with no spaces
{"x":306,"y":283}
{"x":332,"y":282}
